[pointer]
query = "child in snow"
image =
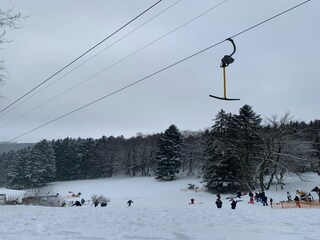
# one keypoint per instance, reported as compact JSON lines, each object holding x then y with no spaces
{"x":264,"y":200}
{"x":192,"y":201}
{"x":218,"y":196}
{"x":257,"y":196}
{"x":129,"y":202}
{"x":233,"y":204}
{"x":77,"y":204}
{"x":239,"y":194}
{"x":250,"y":194}
{"x":219,"y":203}
{"x":289,"y":197}
{"x":251,"y":201}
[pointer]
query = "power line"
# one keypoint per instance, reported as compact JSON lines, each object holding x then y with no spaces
{"x":159,"y":71}
{"x":113,"y":64}
{"x":83,"y":54}
{"x":72,"y":70}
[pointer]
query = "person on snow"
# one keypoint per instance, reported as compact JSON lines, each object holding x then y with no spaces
{"x":264,"y":200}
{"x":250,"y":194}
{"x":218,"y":196}
{"x":82,"y":201}
{"x":297,"y":200}
{"x":192,"y":201}
{"x":96,"y":203}
{"x":77,"y":204}
{"x":238,"y":194}
{"x":219,"y":203}
{"x":104,"y":204}
{"x":257,"y":196}
{"x":251,"y":201}
{"x":233,"y":204}
{"x":129,"y":202}
{"x":271,"y":201}
{"x":289,"y":197}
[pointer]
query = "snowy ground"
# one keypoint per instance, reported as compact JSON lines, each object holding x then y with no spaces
{"x":160,"y":211}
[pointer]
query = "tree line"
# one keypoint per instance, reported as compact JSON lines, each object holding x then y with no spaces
{"x":239,"y":151}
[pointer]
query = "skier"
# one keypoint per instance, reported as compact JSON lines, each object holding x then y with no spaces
{"x":129,"y":202}
{"x":219,"y":203}
{"x":233,"y":204}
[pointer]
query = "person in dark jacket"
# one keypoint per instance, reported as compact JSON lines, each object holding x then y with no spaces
{"x":218,"y":196}
{"x":129,"y":202}
{"x":264,"y":200}
{"x":77,"y":204}
{"x":104,"y":204}
{"x":233,"y":204}
{"x":219,"y":203}
{"x":297,"y":200}
{"x":250,"y":194}
{"x":271,"y":201}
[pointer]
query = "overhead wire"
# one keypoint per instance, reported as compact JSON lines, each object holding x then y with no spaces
{"x":159,"y":71}
{"x":115,"y":63}
{"x":89,"y":59}
{"x":83,"y":54}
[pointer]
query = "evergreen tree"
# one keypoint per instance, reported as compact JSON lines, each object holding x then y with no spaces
{"x":41,"y":164}
{"x":17,"y":174}
{"x":168,"y":156}
{"x":247,"y":143}
{"x":221,"y":169}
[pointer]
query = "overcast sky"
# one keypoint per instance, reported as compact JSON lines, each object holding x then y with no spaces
{"x":276,"y":68}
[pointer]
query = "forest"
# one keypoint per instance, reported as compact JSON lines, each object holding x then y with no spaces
{"x":239,"y":151}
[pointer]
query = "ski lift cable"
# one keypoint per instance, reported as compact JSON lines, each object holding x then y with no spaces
{"x":108,"y":67}
{"x":159,"y":71}
{"x":89,"y":59}
{"x":83,"y":54}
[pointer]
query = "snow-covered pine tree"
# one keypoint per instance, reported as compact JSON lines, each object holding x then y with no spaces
{"x":41,"y":164}
{"x":16,"y":169}
{"x":168,"y":161}
{"x":247,"y":143}
{"x":221,"y":169}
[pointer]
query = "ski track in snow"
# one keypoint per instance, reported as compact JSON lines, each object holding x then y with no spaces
{"x":160,"y":212}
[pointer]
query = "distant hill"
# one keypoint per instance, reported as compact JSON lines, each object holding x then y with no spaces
{"x":7,"y":147}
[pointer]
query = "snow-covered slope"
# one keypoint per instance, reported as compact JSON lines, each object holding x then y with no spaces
{"x":160,"y":211}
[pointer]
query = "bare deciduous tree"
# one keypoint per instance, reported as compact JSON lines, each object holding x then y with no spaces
{"x":9,"y":19}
